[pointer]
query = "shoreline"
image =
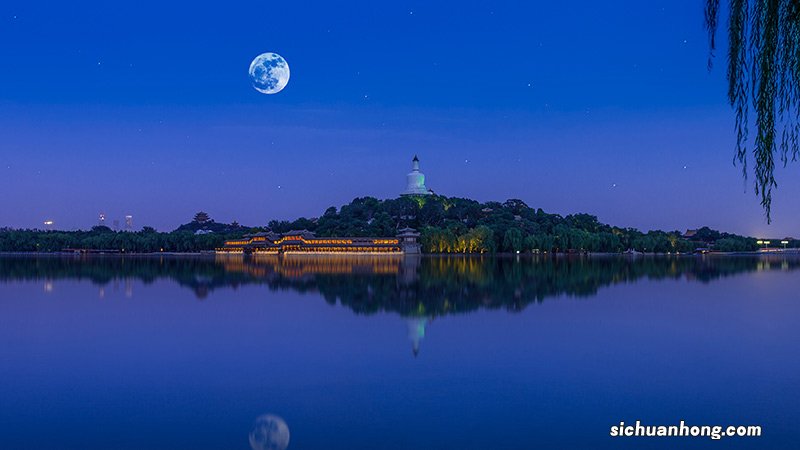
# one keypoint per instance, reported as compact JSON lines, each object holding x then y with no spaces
{"x":777,"y":252}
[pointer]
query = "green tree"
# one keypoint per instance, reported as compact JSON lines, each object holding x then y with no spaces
{"x":512,"y":240}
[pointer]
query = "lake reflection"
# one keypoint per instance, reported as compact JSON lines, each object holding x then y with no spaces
{"x":393,"y":352}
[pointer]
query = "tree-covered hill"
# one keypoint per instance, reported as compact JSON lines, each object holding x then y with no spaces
{"x":447,"y":225}
{"x":458,"y":225}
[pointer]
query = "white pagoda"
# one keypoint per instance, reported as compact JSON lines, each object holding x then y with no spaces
{"x":416,"y":180}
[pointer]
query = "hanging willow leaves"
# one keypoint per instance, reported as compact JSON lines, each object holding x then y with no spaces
{"x":763,"y":73}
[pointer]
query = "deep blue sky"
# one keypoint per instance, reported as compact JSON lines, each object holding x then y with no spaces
{"x":146,"y":109}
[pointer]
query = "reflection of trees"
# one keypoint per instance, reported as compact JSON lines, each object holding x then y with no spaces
{"x":421,"y":286}
{"x":198,"y":273}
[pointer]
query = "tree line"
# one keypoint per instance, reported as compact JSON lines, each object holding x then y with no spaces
{"x":446,"y":224}
{"x":459,"y":225}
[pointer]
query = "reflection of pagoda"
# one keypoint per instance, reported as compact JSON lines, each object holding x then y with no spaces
{"x":416,"y":332}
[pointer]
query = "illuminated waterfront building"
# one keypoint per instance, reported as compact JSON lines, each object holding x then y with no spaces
{"x":304,"y":241}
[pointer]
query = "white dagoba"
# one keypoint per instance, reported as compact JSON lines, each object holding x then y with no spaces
{"x":416,"y":180}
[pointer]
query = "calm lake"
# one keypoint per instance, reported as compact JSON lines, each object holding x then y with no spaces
{"x":396,"y":353}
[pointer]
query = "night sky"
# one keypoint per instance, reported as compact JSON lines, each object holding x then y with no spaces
{"x":146,"y":109}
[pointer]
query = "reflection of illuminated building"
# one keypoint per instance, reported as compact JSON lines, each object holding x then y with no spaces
{"x":48,"y":286}
{"x":304,"y":241}
{"x":313,"y":264}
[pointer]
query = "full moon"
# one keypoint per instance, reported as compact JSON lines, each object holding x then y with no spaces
{"x":269,"y":433}
{"x":269,"y":73}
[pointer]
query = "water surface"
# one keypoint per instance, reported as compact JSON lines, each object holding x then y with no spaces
{"x":395,"y":353}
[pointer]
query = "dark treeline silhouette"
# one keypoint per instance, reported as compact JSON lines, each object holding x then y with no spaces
{"x":459,"y":225}
{"x":195,"y":236}
{"x":447,"y":225}
{"x":410,"y":286}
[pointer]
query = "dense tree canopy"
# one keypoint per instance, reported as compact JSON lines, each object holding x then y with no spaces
{"x":459,"y":225}
{"x":447,"y":225}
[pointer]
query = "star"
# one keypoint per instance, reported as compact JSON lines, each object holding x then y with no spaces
{"x":614,"y":185}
